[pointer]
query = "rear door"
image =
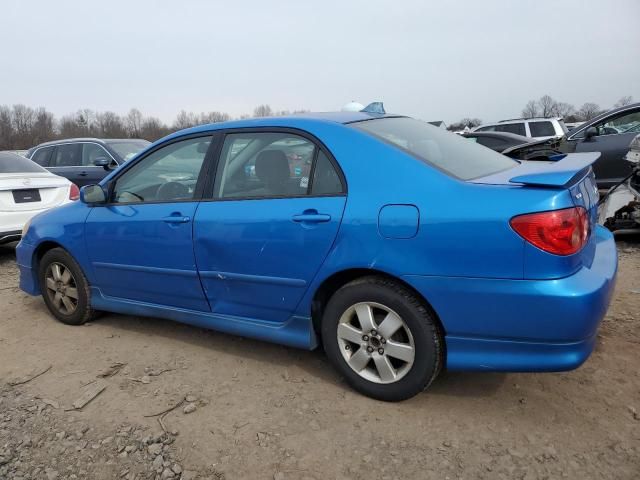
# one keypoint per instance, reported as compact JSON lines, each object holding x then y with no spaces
{"x":276,"y":207}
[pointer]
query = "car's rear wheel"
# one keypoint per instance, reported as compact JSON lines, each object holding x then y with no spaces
{"x":64,"y":288}
{"x":382,"y":338}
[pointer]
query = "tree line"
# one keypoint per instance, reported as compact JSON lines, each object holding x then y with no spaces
{"x":22,"y":127}
{"x":546,"y":106}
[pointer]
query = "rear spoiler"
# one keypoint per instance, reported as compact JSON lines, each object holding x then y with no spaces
{"x":553,"y":174}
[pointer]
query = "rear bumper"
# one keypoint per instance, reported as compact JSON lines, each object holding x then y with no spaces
{"x":524,"y":325}
{"x":10,"y":236}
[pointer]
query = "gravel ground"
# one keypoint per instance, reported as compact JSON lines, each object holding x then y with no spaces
{"x":171,"y":401}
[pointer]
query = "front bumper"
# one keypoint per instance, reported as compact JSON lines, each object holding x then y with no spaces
{"x":27,"y":267}
{"x":524,"y":325}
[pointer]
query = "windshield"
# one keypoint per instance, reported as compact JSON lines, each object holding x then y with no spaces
{"x":444,"y":150}
{"x":127,"y":149}
{"x":12,"y":163}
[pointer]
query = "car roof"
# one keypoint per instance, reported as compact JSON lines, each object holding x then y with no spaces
{"x":295,"y":120}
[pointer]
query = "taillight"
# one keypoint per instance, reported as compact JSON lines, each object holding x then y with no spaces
{"x":561,"y":232}
{"x":74,"y":192}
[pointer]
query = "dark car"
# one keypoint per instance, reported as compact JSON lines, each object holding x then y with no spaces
{"x":85,"y":160}
{"x":498,"y":141}
{"x":609,"y":133}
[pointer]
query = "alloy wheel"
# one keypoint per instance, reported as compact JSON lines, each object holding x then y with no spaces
{"x":61,"y":288}
{"x":375,"y":342}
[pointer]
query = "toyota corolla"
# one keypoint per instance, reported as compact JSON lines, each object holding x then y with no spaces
{"x":401,"y":248}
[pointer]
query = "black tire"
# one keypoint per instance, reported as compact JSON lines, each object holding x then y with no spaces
{"x":83,"y":311}
{"x":418,"y":319}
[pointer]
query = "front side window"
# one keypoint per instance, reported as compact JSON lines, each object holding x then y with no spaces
{"x":625,"y":123}
{"x":92,"y":152}
{"x":517,"y":128}
{"x":541,"y":129}
{"x":444,"y":150}
{"x":258,"y":165}
{"x":167,"y":175}
{"x":67,"y":155}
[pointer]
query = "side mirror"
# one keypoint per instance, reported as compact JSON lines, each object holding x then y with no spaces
{"x":103,"y":162}
{"x":590,"y":133}
{"x":93,"y":194}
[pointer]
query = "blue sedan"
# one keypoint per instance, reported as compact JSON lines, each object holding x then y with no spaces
{"x":401,"y":248}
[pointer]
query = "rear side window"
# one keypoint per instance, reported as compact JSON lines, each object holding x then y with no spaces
{"x":326,"y":180}
{"x":12,"y":163}
{"x":541,"y":129}
{"x":491,"y":142}
{"x":42,"y":155}
{"x":444,"y":150}
{"x":517,"y":128}
{"x":67,"y":155}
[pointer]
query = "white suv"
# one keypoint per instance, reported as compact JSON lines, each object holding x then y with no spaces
{"x":536,"y":128}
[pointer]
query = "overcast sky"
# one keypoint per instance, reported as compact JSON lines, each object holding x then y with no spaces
{"x":433,"y":60}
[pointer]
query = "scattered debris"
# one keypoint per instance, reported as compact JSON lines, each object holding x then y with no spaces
{"x":164,"y":412}
{"x":29,"y":378}
{"x":112,"y":370}
{"x":190,"y":408}
{"x":88,"y":396}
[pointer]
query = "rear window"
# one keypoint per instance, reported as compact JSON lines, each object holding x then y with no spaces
{"x":444,"y":150}
{"x":12,"y":163}
{"x":542,"y":129}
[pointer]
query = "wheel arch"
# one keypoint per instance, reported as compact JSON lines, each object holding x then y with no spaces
{"x":39,"y":252}
{"x":334,"y":282}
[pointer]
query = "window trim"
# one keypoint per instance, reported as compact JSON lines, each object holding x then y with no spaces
{"x":209,"y":186}
{"x":200,"y":182}
{"x":52,"y":147}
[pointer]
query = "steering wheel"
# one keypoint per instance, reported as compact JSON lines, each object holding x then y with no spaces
{"x":172,"y":191}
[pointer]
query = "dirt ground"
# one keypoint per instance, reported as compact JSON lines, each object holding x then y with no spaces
{"x":251,"y":410}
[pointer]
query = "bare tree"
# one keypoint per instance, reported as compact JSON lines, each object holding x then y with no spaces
{"x":43,"y":127}
{"x":153,"y":129}
{"x":213,"y":117}
{"x":262,"y":111}
{"x":6,"y":128}
{"x":134,"y":123}
{"x":563,"y":109}
{"x":547,"y":106}
{"x":530,"y":109}
{"x":624,"y":101}
{"x":185,"y":120}
{"x":110,"y":125}
{"x":588,"y":110}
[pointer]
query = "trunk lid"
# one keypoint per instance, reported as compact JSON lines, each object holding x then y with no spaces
{"x":32,"y":191}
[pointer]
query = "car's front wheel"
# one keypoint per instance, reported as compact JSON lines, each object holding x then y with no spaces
{"x":382,"y":338}
{"x":64,"y":287}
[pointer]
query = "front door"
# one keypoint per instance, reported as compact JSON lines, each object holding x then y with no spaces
{"x":614,"y":135}
{"x":275,"y":211}
{"x":140,"y":244}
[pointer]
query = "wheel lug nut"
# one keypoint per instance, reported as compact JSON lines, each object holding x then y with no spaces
{"x":370,"y":349}
{"x":347,"y":347}
{"x":365,"y":338}
{"x":382,"y":340}
{"x":381,"y":351}
{"x":373,"y":333}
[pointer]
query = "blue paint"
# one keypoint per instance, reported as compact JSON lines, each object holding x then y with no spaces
{"x":253,"y":267}
{"x":398,"y":221}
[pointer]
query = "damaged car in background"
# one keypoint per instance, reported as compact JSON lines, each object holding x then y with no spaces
{"x":620,"y":206}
